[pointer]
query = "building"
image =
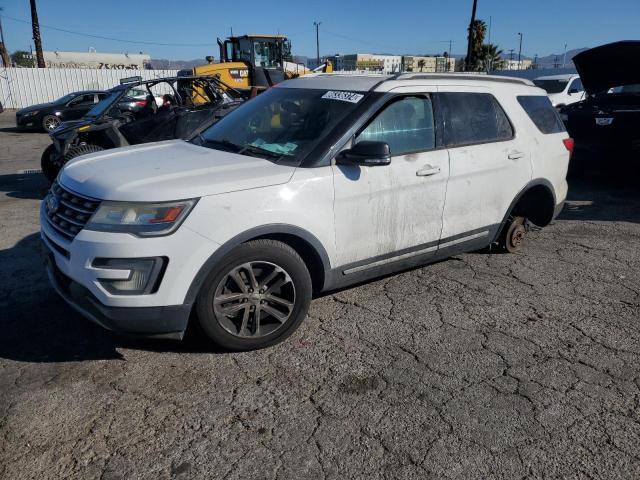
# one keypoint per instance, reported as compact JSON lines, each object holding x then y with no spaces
{"x":428,"y":64}
{"x":515,"y":65}
{"x":95,"y":60}
{"x":368,"y":62}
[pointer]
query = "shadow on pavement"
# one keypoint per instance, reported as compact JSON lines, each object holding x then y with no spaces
{"x":603,"y":198}
{"x":38,"y":326}
{"x":24,"y":185}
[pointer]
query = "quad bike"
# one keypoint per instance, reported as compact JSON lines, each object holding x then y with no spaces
{"x":190,"y":104}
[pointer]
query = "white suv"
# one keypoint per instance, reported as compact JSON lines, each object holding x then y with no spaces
{"x":562,"y":90}
{"x":318,"y":183}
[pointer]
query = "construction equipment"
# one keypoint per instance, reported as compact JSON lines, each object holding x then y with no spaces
{"x":251,"y":63}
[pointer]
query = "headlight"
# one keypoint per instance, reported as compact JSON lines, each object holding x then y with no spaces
{"x":31,"y":114}
{"x":144,"y":219}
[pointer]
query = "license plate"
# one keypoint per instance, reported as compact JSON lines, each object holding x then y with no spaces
{"x":604,"y":122}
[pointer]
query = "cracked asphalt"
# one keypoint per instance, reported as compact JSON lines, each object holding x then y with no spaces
{"x":482,"y":366}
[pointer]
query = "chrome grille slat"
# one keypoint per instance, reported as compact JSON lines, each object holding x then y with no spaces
{"x":71,"y":211}
{"x":80,"y":209}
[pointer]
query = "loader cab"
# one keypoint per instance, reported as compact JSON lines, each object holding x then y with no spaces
{"x":264,"y":56}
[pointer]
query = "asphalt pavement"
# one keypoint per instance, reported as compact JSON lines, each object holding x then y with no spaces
{"x":482,"y":366}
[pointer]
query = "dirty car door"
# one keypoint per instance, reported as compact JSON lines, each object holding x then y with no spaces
{"x":389,"y":213}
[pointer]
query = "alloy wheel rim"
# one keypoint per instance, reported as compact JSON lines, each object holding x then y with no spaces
{"x":254,"y":299}
{"x":51,"y":123}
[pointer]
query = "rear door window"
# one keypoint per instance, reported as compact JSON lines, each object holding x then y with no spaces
{"x":542,"y":113}
{"x":471,"y":118}
{"x":406,"y":125}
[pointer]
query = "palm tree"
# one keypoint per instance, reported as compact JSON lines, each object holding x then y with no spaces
{"x":477,"y":40}
{"x":421,"y":64}
{"x":490,"y":58}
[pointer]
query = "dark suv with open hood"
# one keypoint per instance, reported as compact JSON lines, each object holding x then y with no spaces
{"x":609,"y":117}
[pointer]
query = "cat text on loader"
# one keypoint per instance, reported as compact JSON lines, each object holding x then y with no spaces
{"x":251,"y":63}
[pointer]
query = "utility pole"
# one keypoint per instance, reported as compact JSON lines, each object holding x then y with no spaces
{"x":564,"y":59}
{"x":489,"y":41}
{"x":520,"y":51}
{"x":4,"y":54}
{"x":317,"y":24}
{"x":469,"y":61}
{"x":449,"y":59}
{"x":36,"y":34}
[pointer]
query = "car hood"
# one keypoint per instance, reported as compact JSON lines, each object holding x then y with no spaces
{"x":607,"y":66}
{"x":170,"y":170}
{"x":31,"y":108}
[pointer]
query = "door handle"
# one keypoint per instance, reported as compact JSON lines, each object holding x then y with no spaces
{"x":427,"y":171}
{"x":515,"y":155}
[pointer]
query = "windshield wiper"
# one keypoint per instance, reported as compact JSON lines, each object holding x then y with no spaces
{"x":261,"y":152}
{"x":228,"y":145}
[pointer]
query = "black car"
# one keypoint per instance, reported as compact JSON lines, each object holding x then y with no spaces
{"x":48,"y":116}
{"x":121,"y":118}
{"x":609,"y":118}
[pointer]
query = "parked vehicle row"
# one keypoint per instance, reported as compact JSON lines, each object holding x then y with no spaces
{"x":319,"y":183}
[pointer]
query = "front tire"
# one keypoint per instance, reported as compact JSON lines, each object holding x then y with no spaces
{"x":256,"y":297}
{"x":50,"y":166}
{"x":50,"y":123}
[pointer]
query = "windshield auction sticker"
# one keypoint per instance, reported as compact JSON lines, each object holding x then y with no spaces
{"x":350,"y":97}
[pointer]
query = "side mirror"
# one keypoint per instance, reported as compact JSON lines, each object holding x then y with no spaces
{"x":572,"y":91}
{"x":366,"y":153}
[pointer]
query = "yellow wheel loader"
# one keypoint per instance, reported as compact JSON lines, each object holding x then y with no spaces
{"x":251,"y":63}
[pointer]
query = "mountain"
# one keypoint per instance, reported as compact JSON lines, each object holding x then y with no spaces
{"x":550,"y":60}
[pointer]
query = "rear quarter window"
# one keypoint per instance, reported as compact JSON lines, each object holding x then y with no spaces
{"x":542,"y":113}
{"x":472,"y":118}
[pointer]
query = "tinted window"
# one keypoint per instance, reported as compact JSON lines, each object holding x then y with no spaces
{"x":551,"y":86}
{"x":86,"y":99}
{"x":577,"y":85}
{"x":542,"y":113}
{"x":406,"y":125}
{"x":473,"y":118}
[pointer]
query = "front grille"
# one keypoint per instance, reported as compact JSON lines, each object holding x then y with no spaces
{"x":68,"y":212}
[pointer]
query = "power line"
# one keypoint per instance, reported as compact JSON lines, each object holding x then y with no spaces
{"x":113,"y":39}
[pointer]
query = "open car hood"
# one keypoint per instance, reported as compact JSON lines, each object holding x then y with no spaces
{"x":607,"y":66}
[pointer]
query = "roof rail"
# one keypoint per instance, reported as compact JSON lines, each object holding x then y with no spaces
{"x":463,"y":76}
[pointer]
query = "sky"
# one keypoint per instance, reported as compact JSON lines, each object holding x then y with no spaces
{"x":189,"y":28}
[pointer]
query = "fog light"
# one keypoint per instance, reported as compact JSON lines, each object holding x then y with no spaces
{"x":144,"y":274}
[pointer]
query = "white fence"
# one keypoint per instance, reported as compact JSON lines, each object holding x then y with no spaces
{"x":21,"y":87}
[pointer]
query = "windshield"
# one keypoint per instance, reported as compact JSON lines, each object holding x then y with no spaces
{"x":103,"y":105}
{"x":626,"y":89}
{"x":551,"y":86}
{"x":282,"y":124}
{"x":67,"y":98}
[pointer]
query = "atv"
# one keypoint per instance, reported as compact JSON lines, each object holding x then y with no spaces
{"x":174,"y":107}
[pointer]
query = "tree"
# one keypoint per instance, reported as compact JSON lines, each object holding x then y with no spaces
{"x":490,"y":58}
{"x":37,"y":41}
{"x":421,"y":63}
{"x":20,"y":58}
{"x":477,"y":40}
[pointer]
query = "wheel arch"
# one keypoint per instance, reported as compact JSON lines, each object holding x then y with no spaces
{"x":303,"y":242}
{"x":536,"y":202}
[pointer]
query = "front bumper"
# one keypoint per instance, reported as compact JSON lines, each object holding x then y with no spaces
{"x":28,"y":122}
{"x":163,"y":313}
{"x":157,"y":322}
